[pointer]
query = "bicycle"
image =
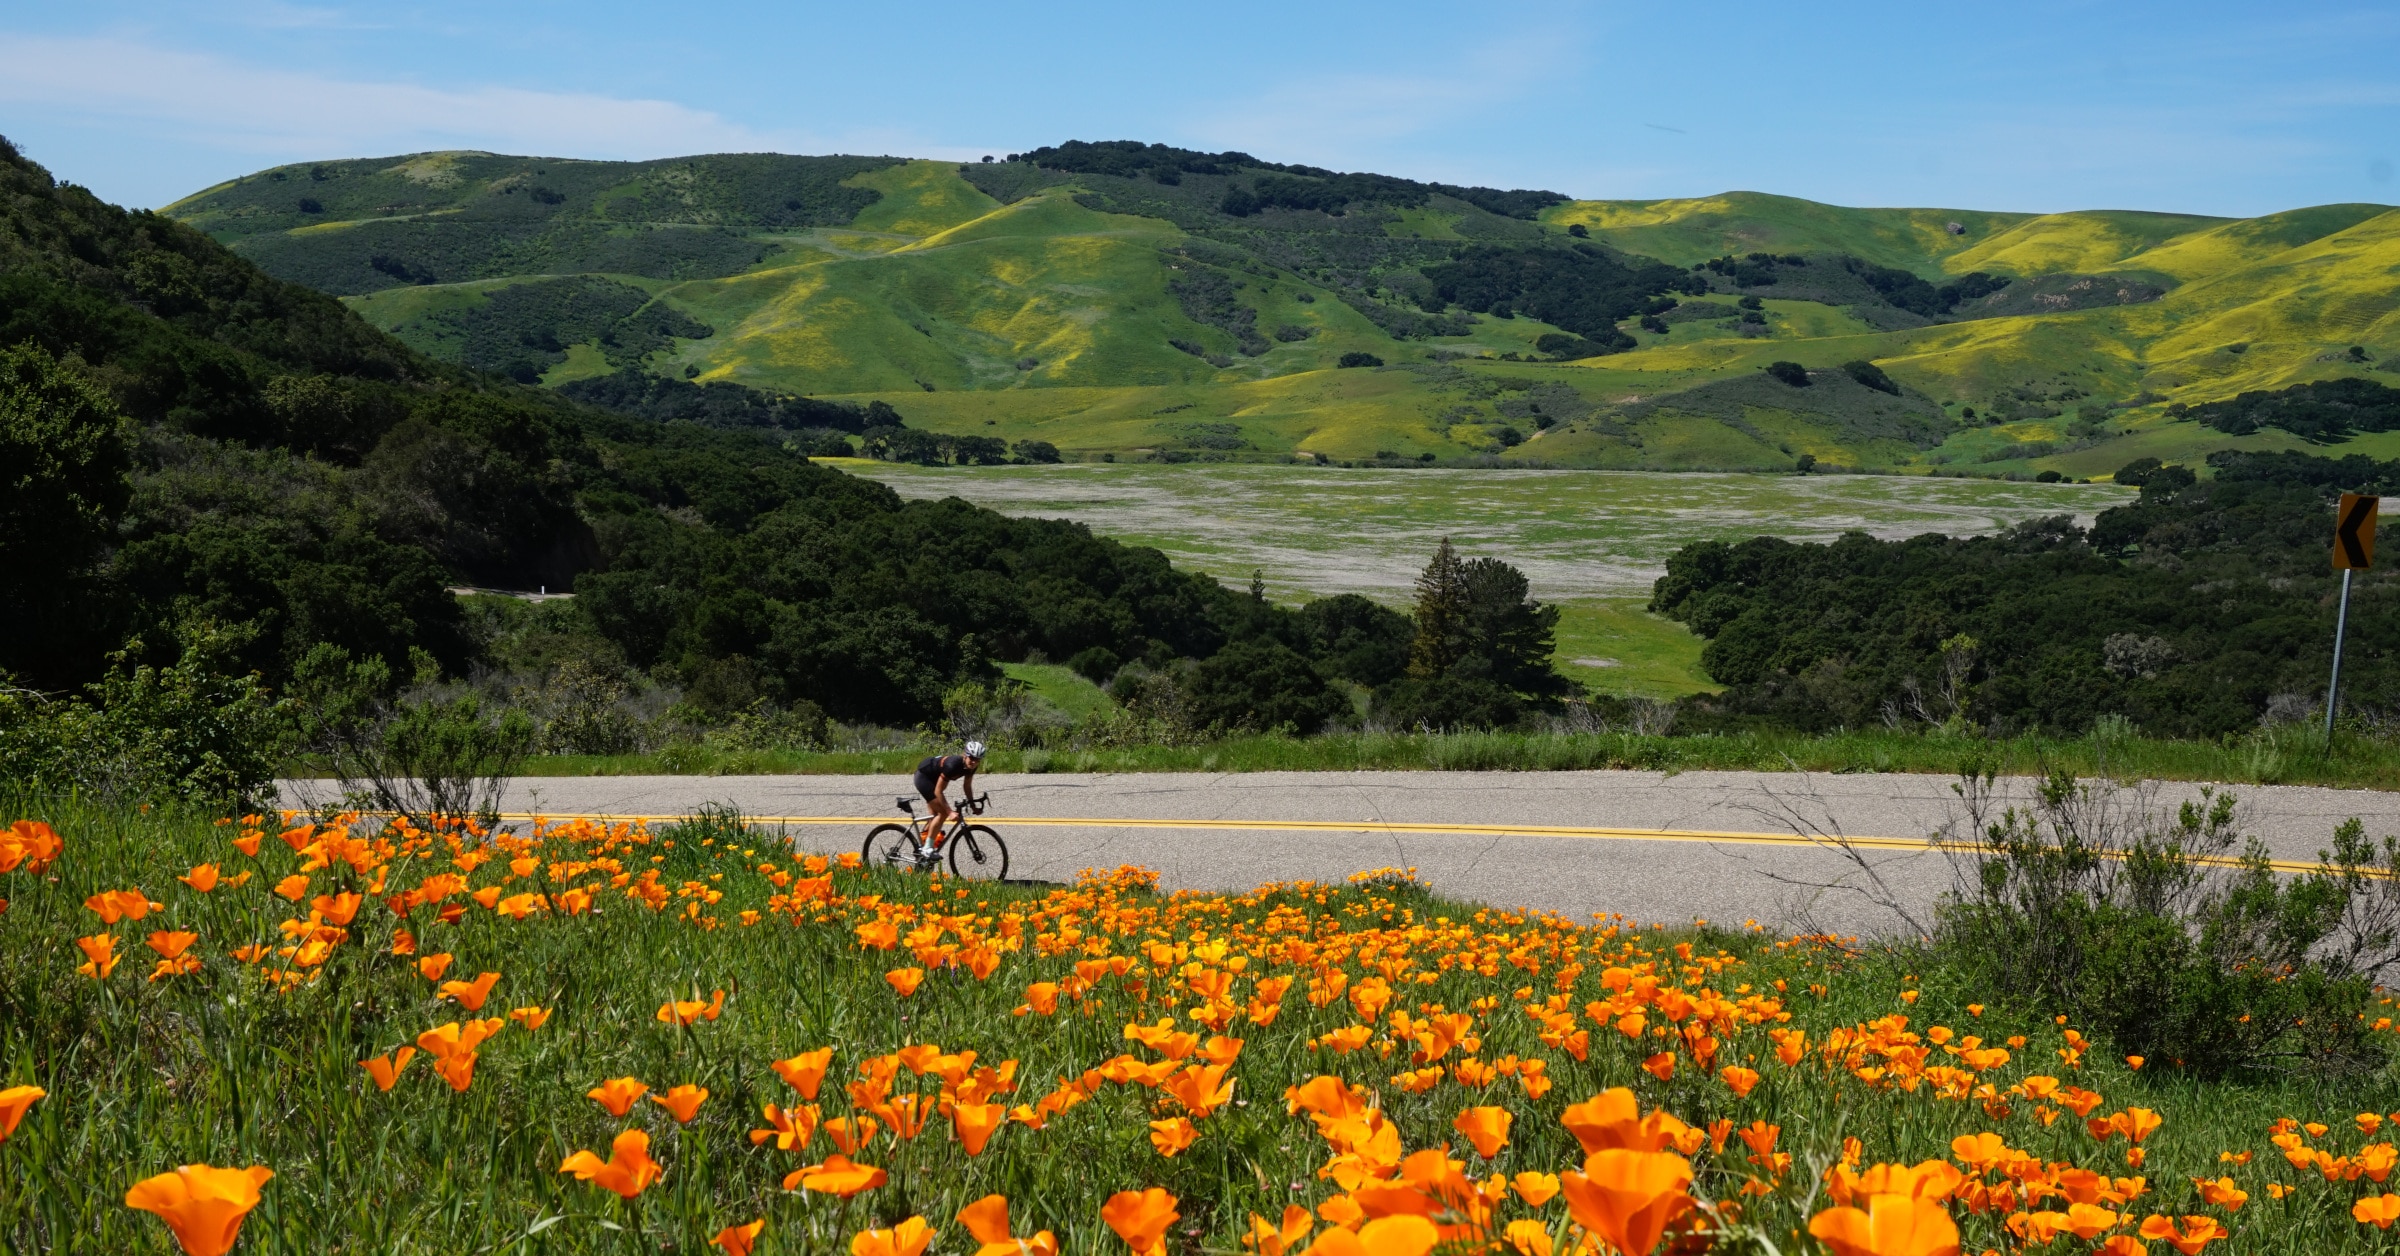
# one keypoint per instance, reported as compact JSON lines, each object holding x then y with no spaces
{"x":975,"y":852}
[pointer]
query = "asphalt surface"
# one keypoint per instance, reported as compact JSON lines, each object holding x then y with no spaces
{"x":1723,"y":846}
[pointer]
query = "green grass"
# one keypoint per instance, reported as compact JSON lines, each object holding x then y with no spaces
{"x":2288,"y":759}
{"x":218,"y":1067}
{"x":1059,"y":686}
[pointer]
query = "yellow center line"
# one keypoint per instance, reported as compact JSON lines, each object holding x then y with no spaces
{"x":1377,"y":826}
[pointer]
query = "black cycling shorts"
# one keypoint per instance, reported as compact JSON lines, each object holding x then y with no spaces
{"x":926,"y":784}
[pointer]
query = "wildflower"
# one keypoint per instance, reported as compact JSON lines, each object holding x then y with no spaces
{"x":1661,"y":1066}
{"x":617,"y":1094}
{"x":2196,"y":1232}
{"x":683,"y":1101}
{"x":684,"y":1012}
{"x":838,"y":1177}
{"x":29,"y":844}
{"x":170,"y":945}
{"x":805,"y":1072}
{"x":791,"y":1129}
{"x":1739,"y":1080}
{"x":202,"y":878}
{"x":905,"y":980}
{"x":99,"y":955}
{"x":13,"y":1103}
{"x":1272,"y":1240}
{"x":2223,"y":1193}
{"x":849,"y":1133}
{"x":531,"y":1018}
{"x":1403,"y":1235}
{"x":471,"y":994}
{"x":203,"y":1206}
{"x":909,"y":1238}
{"x":1173,"y":1135}
{"x":386,"y":1068}
{"x":1041,"y":999}
{"x":628,"y":1172}
{"x":115,"y":905}
{"x":1141,"y":1219}
{"x":1890,"y":1225}
{"x":738,"y":1240}
{"x":974,"y":1124}
{"x":431,"y":967}
{"x":1486,"y":1128}
{"x":1528,"y":1237}
{"x":292,"y":887}
{"x":2134,"y":1062}
{"x":1629,"y":1198}
{"x":2379,"y":1211}
{"x":1536,"y":1189}
{"x":337,"y":909}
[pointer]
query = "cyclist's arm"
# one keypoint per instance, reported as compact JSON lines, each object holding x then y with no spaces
{"x":967,"y":783}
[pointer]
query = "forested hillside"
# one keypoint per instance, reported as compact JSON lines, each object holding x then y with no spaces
{"x":191,"y":450}
{"x":2199,"y":611}
{"x":1116,"y":298}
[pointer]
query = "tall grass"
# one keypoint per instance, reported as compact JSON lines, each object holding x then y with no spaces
{"x":218,"y":1067}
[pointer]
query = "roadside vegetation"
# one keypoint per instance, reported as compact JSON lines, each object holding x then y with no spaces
{"x":582,"y":1038}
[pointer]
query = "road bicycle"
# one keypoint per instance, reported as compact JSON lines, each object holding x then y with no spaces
{"x":975,"y":852}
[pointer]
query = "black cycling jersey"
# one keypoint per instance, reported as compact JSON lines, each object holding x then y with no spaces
{"x":935,"y":767}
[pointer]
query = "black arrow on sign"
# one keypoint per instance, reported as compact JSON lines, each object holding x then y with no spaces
{"x":2345,"y":533}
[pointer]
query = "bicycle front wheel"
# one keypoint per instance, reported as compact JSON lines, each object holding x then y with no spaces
{"x":978,"y":854}
{"x":890,"y":846}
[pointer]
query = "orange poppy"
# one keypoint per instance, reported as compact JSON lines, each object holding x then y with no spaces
{"x":30,"y":844}
{"x":1629,"y":1197}
{"x":850,"y":1133}
{"x":1536,"y":1189}
{"x":203,"y":1206}
{"x":974,"y":1124}
{"x":431,"y":967}
{"x":2195,"y":1233}
{"x":683,"y":1101}
{"x":337,"y":909}
{"x":202,"y":877}
{"x":1270,"y":1240}
{"x":905,"y":980}
{"x":247,"y":843}
{"x":386,"y":1068}
{"x":629,"y":1169}
{"x":684,"y":1012}
{"x":1486,"y":1128}
{"x":171,"y":945}
{"x":1141,"y":1219}
{"x":987,"y":1220}
{"x":292,"y":887}
{"x":1661,"y":1066}
{"x":471,"y":994}
{"x":1740,"y":1080}
{"x":13,"y":1103}
{"x":531,"y":1018}
{"x":1172,"y":1135}
{"x":838,"y":1177}
{"x":2379,"y":1211}
{"x":909,"y":1238}
{"x":1890,"y":1225}
{"x":791,"y":1129}
{"x":737,"y":1240}
{"x":617,"y":1094}
{"x":805,"y":1072}
{"x":2223,"y":1193}
{"x":99,"y":955}
{"x":1405,"y":1234}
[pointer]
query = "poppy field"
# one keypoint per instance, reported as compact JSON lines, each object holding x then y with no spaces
{"x":319,"y":1034}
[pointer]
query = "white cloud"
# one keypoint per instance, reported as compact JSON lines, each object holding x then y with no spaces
{"x":220,"y":103}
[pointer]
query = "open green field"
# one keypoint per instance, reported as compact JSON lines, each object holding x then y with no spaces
{"x":1592,"y":541}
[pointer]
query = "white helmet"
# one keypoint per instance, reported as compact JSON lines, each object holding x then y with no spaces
{"x":974,"y":749}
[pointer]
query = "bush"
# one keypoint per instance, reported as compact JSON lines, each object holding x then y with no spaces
{"x":1455,"y":701}
{"x":1036,"y":451}
{"x":422,"y":755}
{"x":1262,"y":685}
{"x":1359,"y":358}
{"x":2146,"y":927}
{"x":1791,"y":373}
{"x":1871,"y":375}
{"x":1096,"y":664}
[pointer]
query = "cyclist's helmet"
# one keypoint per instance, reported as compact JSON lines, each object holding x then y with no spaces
{"x":974,"y":749}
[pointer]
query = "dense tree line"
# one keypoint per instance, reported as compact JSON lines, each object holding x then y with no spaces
{"x":1581,"y":288}
{"x":1281,"y":185}
{"x":2198,"y":610}
{"x":2320,"y":412}
{"x":723,"y":403}
{"x":1912,"y":293}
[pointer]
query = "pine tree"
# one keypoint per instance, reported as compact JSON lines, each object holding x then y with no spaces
{"x":1443,"y":613}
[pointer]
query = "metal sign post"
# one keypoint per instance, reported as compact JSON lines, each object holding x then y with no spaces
{"x":2353,"y":549}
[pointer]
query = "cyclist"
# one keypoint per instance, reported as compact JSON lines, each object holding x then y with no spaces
{"x":935,"y":775}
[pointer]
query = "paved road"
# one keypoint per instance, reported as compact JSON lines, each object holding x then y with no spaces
{"x":1481,"y":836}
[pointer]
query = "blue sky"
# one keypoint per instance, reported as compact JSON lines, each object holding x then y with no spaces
{"x":2202,"y":107}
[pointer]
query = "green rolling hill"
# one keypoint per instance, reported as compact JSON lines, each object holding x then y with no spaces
{"x":1150,"y":302}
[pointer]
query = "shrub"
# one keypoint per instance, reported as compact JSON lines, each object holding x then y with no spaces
{"x":1036,"y":451}
{"x":1871,"y":375}
{"x":1262,"y":685}
{"x":1096,"y":664}
{"x":1791,"y":373}
{"x":1359,"y":358}
{"x":2146,"y":926}
{"x":423,"y":754}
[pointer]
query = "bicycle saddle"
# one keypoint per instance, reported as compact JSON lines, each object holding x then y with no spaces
{"x":908,"y":805}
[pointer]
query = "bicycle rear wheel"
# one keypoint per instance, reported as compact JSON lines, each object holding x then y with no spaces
{"x":978,"y":854}
{"x":890,"y":846}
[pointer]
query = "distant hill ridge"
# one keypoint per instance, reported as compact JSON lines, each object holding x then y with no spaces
{"x":1082,"y":293}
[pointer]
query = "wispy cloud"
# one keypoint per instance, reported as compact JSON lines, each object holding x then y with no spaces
{"x":226,"y":104}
